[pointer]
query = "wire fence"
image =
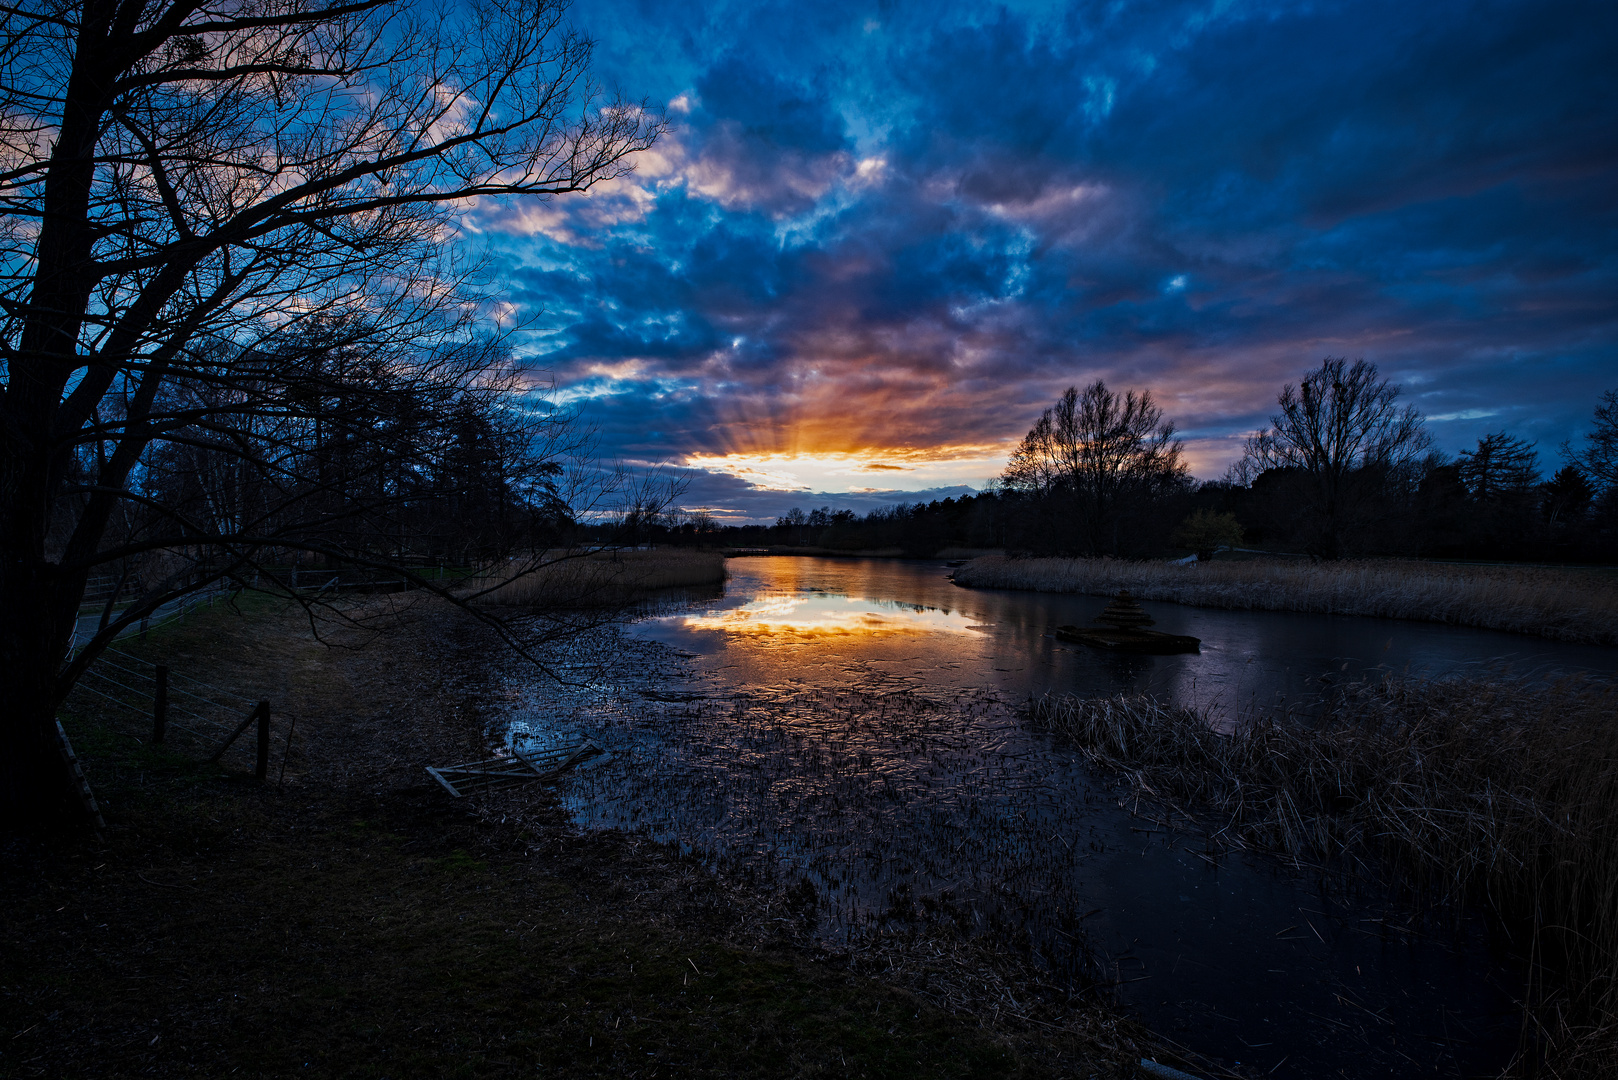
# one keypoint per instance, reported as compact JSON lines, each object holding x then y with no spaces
{"x":101,"y":588}
{"x":167,"y":698}
{"x":100,"y":591}
{"x":120,"y":592}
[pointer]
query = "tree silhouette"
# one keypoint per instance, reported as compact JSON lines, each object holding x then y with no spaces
{"x":1205,"y":532}
{"x":1566,"y":496}
{"x":1599,"y":457}
{"x":190,"y":188}
{"x":1344,"y":434}
{"x":1500,"y":465}
{"x":1094,"y":455}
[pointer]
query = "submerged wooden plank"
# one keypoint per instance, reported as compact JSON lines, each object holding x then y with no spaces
{"x":449,"y":787}
{"x":524,"y":765}
{"x":521,"y":772}
{"x":554,"y":760}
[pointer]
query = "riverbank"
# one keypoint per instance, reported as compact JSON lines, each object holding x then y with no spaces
{"x":608,"y":578}
{"x":1573,"y":605}
{"x":1455,"y":792}
{"x":348,"y":918}
{"x":860,"y":553}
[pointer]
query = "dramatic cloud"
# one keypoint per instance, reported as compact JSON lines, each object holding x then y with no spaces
{"x":880,"y":238}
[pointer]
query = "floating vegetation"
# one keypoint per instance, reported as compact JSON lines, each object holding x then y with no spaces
{"x":883,"y":807}
{"x":1124,"y":630}
{"x":926,"y":834}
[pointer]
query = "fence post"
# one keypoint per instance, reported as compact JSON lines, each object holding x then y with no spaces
{"x":261,"y":714}
{"x":263,"y":766}
{"x":160,"y":702}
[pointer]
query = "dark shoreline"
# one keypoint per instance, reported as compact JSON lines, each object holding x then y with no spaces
{"x":355,"y":921}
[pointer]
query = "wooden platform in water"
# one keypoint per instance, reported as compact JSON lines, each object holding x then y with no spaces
{"x":523,"y":766}
{"x":1133,"y":640}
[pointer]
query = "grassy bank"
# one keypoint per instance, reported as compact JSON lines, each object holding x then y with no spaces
{"x":1458,"y":791}
{"x":352,"y":920}
{"x":608,"y":578}
{"x":1562,"y":604}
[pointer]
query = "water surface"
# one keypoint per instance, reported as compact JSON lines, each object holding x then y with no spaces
{"x":830,"y":620}
{"x":855,"y":722}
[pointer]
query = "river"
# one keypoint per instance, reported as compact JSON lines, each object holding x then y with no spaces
{"x":854,"y":723}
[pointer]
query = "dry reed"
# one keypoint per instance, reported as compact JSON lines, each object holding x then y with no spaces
{"x":605,"y":578}
{"x":1460,"y":791}
{"x":1561,"y":604}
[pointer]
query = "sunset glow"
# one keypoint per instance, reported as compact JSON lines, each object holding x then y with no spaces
{"x":805,"y":618}
{"x":869,"y":251}
{"x":893,"y":470}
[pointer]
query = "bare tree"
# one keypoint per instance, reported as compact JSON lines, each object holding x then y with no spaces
{"x":188,"y":186}
{"x":1599,"y":458}
{"x":1097,"y":452}
{"x":1501,"y":465}
{"x":1344,"y":435}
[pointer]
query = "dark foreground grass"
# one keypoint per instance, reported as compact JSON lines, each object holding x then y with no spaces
{"x":356,"y":922}
{"x":1458,"y":791}
{"x":375,"y":948}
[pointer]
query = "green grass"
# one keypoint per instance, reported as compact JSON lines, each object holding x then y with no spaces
{"x":217,"y":933}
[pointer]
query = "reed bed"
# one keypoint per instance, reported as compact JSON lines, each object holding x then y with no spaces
{"x":1460,"y":791}
{"x":1561,"y":604}
{"x":604,"y":578}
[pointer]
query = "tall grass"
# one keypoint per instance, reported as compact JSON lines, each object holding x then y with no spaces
{"x":1564,"y":605}
{"x":1461,"y":791}
{"x":604,"y":578}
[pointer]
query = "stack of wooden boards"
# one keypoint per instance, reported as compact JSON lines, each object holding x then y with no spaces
{"x":1125,"y":631}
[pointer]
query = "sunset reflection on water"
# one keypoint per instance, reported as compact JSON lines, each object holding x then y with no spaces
{"x":854,"y":728}
{"x":823,"y":615}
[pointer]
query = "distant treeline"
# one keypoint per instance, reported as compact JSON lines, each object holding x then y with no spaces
{"x":1341,"y":471}
{"x":914,"y":529}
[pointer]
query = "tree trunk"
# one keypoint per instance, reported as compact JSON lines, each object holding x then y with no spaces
{"x":36,"y":789}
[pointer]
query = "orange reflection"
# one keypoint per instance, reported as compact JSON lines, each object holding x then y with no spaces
{"x":816,"y":617}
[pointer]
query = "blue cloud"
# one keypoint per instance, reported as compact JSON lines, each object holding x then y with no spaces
{"x":904,"y":225}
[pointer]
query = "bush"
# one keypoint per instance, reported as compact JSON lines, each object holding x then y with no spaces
{"x":1205,"y":531}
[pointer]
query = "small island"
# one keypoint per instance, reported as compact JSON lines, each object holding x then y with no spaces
{"x":1125,"y":631}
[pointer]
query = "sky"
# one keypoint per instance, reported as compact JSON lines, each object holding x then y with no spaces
{"x":878,"y":239}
